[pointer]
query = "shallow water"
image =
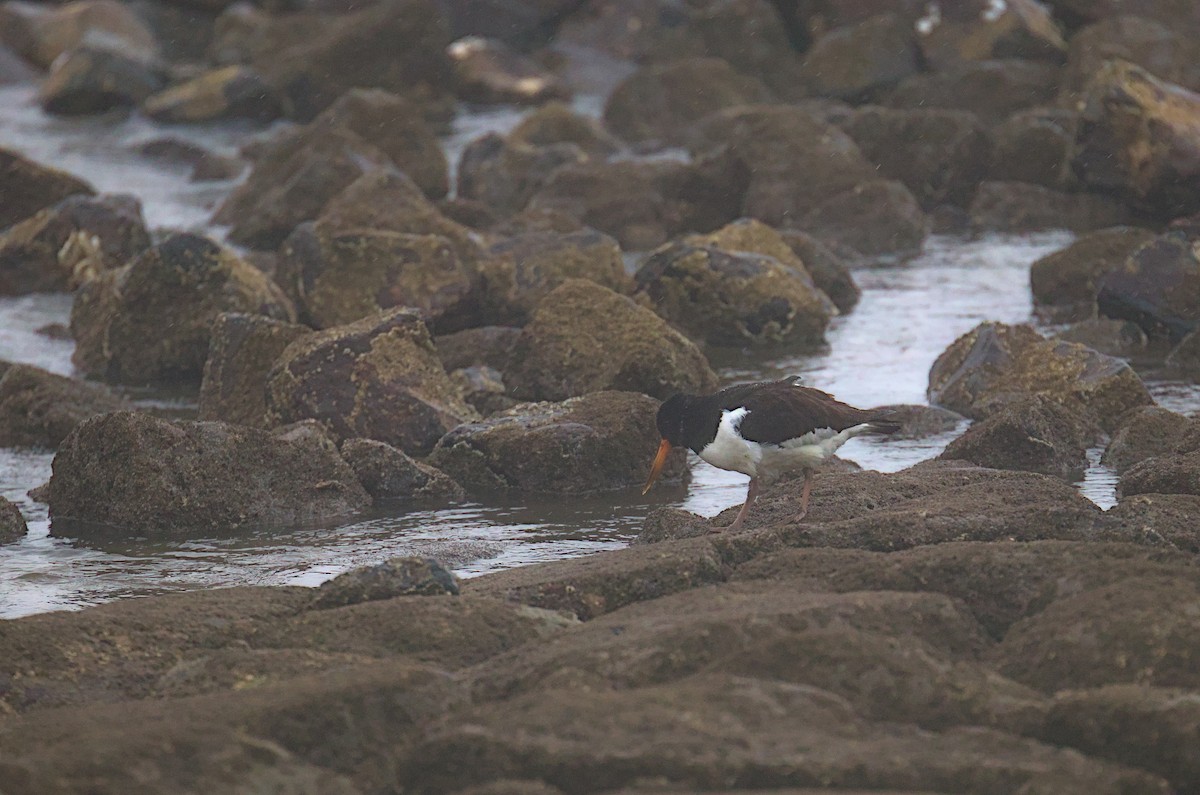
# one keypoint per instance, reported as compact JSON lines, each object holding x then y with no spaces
{"x":878,"y":354}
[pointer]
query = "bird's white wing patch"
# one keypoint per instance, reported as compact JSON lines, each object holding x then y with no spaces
{"x":728,"y":450}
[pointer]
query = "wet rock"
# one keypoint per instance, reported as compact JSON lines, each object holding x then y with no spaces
{"x":994,"y":364}
{"x":39,"y":408}
{"x":585,"y":338}
{"x":1172,"y":473}
{"x":181,"y":479}
{"x":206,"y":165}
{"x":682,"y":92}
{"x":1036,"y":435}
{"x":336,"y":277}
{"x":827,"y":268}
{"x":27,"y":187}
{"x":992,"y":90}
{"x":1016,"y":207}
{"x":978,"y":31}
{"x":1162,"y":49}
{"x":519,"y":272}
{"x":1070,"y":278}
{"x":594,"y":443}
{"x":1157,"y":286}
{"x":101,"y":23}
{"x":151,"y":320}
{"x":1186,"y":355}
{"x":94,"y":80}
{"x":741,"y":284}
{"x":232,"y":92}
{"x":1110,"y":337}
{"x":877,"y":217}
{"x":388,"y":580}
{"x":388,"y":474}
{"x":1137,"y":139}
{"x":1166,"y":520}
{"x":378,"y":378}
{"x":34,"y":256}
{"x":1173,"y":12}
{"x":556,"y":123}
{"x":858,"y":61}
{"x":1035,"y":146}
{"x":12,"y":523}
{"x":486,"y":345}
{"x":241,"y":352}
{"x":940,"y":155}
{"x":504,"y":176}
{"x":491,"y":72}
{"x":921,"y":422}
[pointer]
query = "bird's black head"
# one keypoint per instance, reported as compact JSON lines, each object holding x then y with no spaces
{"x":670,"y":419}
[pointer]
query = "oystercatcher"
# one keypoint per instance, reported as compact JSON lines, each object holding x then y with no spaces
{"x":764,"y":430}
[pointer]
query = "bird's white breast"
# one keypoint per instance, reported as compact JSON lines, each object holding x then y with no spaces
{"x":730,"y":451}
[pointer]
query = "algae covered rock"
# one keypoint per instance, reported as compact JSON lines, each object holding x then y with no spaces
{"x":12,"y":523}
{"x":878,"y":217}
{"x":378,"y":378}
{"x":1016,"y":207}
{"x":185,"y":479}
{"x":1071,"y":277}
{"x":992,"y":89}
{"x":388,"y":580}
{"x":388,"y":474}
{"x":151,"y":320}
{"x":556,"y":123}
{"x":504,"y":175}
{"x":829,"y":269}
{"x":1148,"y":432}
{"x":597,"y":442}
{"x":1036,"y":435}
{"x":39,"y":408}
{"x":94,"y":79}
{"x":1157,"y":286}
{"x":859,"y":61}
{"x":977,"y":30}
{"x":585,"y":338}
{"x":1170,"y":473}
{"x":742,"y":284}
{"x":231,"y":92}
{"x":27,"y":186}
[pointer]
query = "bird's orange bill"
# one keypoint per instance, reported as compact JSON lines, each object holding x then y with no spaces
{"x":664,"y":448}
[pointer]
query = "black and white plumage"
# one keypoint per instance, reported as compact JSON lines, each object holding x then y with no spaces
{"x":764,"y":430}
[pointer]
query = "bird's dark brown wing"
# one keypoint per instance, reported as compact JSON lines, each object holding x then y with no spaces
{"x":781,"y":410}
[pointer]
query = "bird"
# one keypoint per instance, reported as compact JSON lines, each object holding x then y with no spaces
{"x":766,"y":430}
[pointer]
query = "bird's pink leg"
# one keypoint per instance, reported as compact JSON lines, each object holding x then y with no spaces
{"x":751,"y":493}
{"x":808,"y":479}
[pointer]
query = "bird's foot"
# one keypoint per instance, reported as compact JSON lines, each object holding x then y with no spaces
{"x":798,"y":518}
{"x":729,"y":528}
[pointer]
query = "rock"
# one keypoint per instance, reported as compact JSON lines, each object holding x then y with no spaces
{"x":992,"y":90}
{"x":337,"y":277}
{"x":1111,"y":337}
{"x":979,"y":31}
{"x":921,"y":422}
{"x":519,"y":272}
{"x":522,"y":26}
{"x":377,"y":378}
{"x":231,"y":92}
{"x":940,"y":155}
{"x":585,"y":338}
{"x":741,"y":284}
{"x":183,"y":479}
{"x":1186,"y":355}
{"x":12,"y":523}
{"x":1165,"y":520}
{"x":682,"y":92}
{"x":242,"y":349}
{"x":489,"y":71}
{"x":1036,"y":435}
{"x":388,"y":580}
{"x":878,"y":217}
{"x":205,"y":164}
{"x":1157,"y":286}
{"x":556,"y":123}
{"x":32,"y":254}
{"x":755,"y":39}
{"x":994,"y":364}
{"x":827,"y":268}
{"x":1163,"y":50}
{"x":151,"y":320}
{"x":1173,"y":473}
{"x":504,"y":176}
{"x":1016,"y":207}
{"x":598,"y":442}
{"x":39,"y":408}
{"x":388,"y":474}
{"x":94,"y":80}
{"x":1137,"y":139}
{"x":27,"y":187}
{"x":14,"y":70}
{"x":1035,"y":146}
{"x":106,"y":24}
{"x":858,"y":61}
{"x":486,"y":345}
{"x":1172,"y":12}
{"x":188,"y":30}
{"x":1070,"y":278}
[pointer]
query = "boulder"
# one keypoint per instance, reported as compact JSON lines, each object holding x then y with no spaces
{"x":755,"y":37}
{"x":39,"y":408}
{"x":206,"y":165}
{"x":388,"y":580}
{"x":1036,"y":435}
{"x":556,"y":123}
{"x":829,"y":269}
{"x":519,"y":272}
{"x":505,"y":175}
{"x":1162,"y":49}
{"x":489,"y":71}
{"x":585,"y":338}
{"x":681,"y":93}
{"x":12,"y":523}
{"x":389,"y":475}
{"x":1035,"y":146}
{"x":90,"y":80}
{"x":1172,"y":473}
{"x":1070,"y":278}
{"x":992,"y":90}
{"x":1186,"y":355}
{"x":231,"y":92}
{"x":486,"y":345}
{"x":186,"y":479}
{"x":1118,"y":338}
{"x":337,"y":276}
{"x":151,"y":320}
{"x":1157,"y":286}
{"x":1160,"y":520}
{"x":1147,"y":432}
{"x":1172,"y":12}
{"x":859,"y":61}
{"x":105,"y":23}
{"x":598,"y":442}
{"x":242,"y":349}
{"x":877,"y":218}
{"x":1019,"y":207}
{"x":742,"y":284}
{"x":995,"y":364}
{"x":32,"y":254}
{"x":27,"y":187}
{"x":977,"y":30}
{"x":377,"y":378}
{"x":1137,"y":138}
